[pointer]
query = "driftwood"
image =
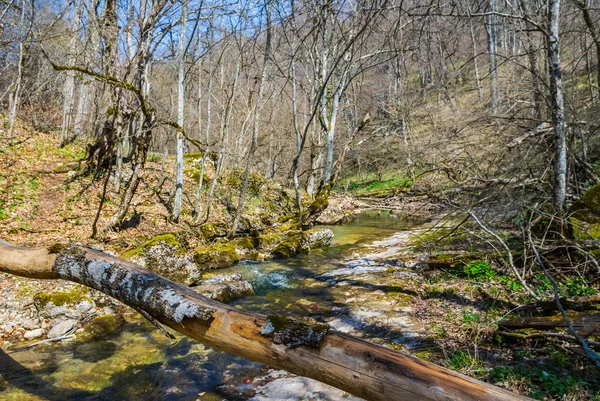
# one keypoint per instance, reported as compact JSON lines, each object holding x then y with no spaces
{"x":348,"y":363}
{"x":591,"y":302}
{"x":584,"y":323}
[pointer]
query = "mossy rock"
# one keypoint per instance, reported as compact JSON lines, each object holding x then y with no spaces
{"x":584,"y":231}
{"x":270,"y":239}
{"x":217,"y":256}
{"x":61,"y":298}
{"x":244,"y":243}
{"x":316,"y":238}
{"x":101,"y":327}
{"x":167,"y":239}
{"x":166,"y":256}
{"x":213,"y":230}
{"x":289,"y":247}
{"x":587,"y":208}
{"x":194,"y":175}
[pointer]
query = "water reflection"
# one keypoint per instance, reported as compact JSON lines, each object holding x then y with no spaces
{"x":139,"y":363}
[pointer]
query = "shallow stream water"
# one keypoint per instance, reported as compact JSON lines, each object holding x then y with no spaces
{"x":139,"y":363}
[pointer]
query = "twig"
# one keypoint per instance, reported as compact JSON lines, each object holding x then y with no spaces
{"x":510,"y":257}
{"x":63,"y":337}
{"x":589,"y":352}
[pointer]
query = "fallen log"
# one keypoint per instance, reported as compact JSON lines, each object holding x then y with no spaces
{"x":586,"y":303}
{"x":348,"y":363}
{"x":584,"y":323}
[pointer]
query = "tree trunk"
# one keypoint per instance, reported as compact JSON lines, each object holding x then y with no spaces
{"x":585,"y":324}
{"x":475,"y":65}
{"x":491,"y":29}
{"x":69,"y":85}
{"x":538,"y":99}
{"x":180,"y":114}
{"x":224,"y":133}
{"x":584,"y":6}
{"x":558,"y":109}
{"x":14,"y":104}
{"x":253,"y":146}
{"x":351,"y":364}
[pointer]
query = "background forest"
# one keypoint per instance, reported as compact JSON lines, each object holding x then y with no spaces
{"x":218,"y":119}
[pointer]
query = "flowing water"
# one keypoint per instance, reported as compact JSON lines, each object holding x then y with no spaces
{"x":139,"y":363}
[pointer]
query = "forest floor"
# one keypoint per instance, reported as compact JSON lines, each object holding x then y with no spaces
{"x":448,"y":290}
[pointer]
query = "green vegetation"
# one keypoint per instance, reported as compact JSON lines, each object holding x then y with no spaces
{"x":478,"y":270}
{"x":219,"y":255}
{"x":459,"y":360}
{"x":167,"y":239}
{"x":372,"y":186}
{"x":546,"y":381}
{"x":61,"y":298}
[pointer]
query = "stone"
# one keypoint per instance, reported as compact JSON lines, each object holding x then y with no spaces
{"x":30,"y":324}
{"x":224,"y":288}
{"x":298,"y":242}
{"x":587,"y":208}
{"x":7,"y":327}
{"x":32,"y":334}
{"x":300,"y":388}
{"x":216,"y":256}
{"x":165,"y":256}
{"x":331,"y":216}
{"x":62,"y":328}
{"x":102,"y":327}
{"x":61,"y":305}
{"x":316,"y":238}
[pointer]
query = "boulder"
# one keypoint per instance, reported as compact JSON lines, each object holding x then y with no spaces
{"x":316,"y":238}
{"x":330,"y":216}
{"x":166,"y":256}
{"x":216,"y":256}
{"x":224,"y":288}
{"x":61,"y":305}
{"x":587,"y":208}
{"x":213,"y":230}
{"x":101,"y":327}
{"x":62,"y":328}
{"x":298,"y":242}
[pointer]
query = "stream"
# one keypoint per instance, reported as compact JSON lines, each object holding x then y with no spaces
{"x":338,"y":285}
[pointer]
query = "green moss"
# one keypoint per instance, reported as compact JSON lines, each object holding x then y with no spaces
{"x":56,"y":248}
{"x":73,"y":297}
{"x":289,"y":247}
{"x":194,"y":175}
{"x":168,"y":239}
{"x":101,"y":327}
{"x":587,"y":208}
{"x":426,"y":355}
{"x":213,"y":230}
{"x":584,"y":231}
{"x":217,"y":256}
{"x":269,"y":239}
{"x":400,"y":297}
{"x":244,"y":243}
{"x":193,"y":156}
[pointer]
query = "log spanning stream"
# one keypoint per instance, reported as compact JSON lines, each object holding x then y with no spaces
{"x":138,"y":362}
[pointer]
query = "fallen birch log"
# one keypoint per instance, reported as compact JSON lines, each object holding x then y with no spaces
{"x":348,"y":363}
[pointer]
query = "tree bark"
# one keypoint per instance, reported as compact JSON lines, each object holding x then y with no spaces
{"x":254,"y":144}
{"x":491,"y":29}
{"x":351,"y":364}
{"x":558,"y":109}
{"x":180,"y":114}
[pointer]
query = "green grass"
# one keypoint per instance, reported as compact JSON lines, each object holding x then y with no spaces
{"x":370,"y":183}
